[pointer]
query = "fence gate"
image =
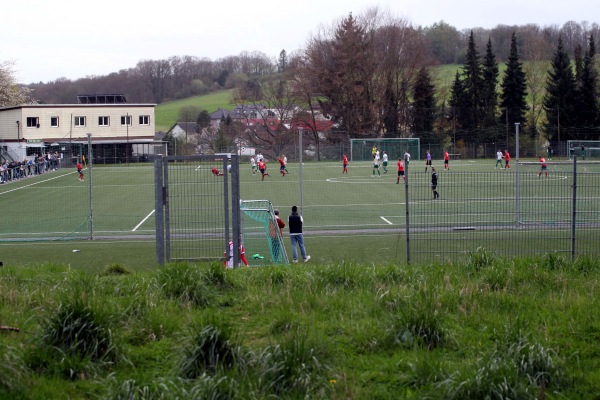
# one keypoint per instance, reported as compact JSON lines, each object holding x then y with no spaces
{"x":197,"y":207}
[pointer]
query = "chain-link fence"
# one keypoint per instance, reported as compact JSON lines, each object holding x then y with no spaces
{"x":481,"y":205}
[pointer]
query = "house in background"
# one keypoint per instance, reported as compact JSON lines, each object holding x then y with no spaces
{"x":183,"y":129}
{"x":118,"y":131}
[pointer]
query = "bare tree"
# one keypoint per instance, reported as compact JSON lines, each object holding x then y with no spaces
{"x":157,"y":75}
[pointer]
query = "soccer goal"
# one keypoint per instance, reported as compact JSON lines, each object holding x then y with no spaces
{"x":262,"y":238}
{"x":361,"y":149}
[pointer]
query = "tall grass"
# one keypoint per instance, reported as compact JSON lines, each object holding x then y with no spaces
{"x":488,"y":328}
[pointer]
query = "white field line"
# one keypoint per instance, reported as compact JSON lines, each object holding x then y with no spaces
{"x":386,"y":220}
{"x":36,"y":183}
{"x":144,"y":220}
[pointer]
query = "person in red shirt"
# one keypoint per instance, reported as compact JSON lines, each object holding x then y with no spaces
{"x":543,"y":167}
{"x":79,"y":169}
{"x":400,"y":171}
{"x":216,"y":172}
{"x":262,"y":167}
{"x":506,"y":159}
{"x":446,"y":160}
{"x":281,"y":165}
{"x":345,"y":164}
{"x":228,"y":260}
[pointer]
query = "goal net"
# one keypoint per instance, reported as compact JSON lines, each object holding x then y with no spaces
{"x":361,"y":149}
{"x":263,"y":242}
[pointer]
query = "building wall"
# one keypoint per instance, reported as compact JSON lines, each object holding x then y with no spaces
{"x":8,"y":124}
{"x":67,"y":130}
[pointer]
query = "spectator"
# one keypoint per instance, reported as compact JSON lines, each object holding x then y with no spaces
{"x":295,"y":223}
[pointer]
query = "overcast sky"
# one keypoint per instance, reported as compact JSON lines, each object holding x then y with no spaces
{"x":74,"y":39}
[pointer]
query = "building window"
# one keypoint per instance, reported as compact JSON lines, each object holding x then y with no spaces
{"x":33,"y":122}
{"x":79,"y":121}
{"x":126,"y":120}
{"x":144,"y":120}
{"x":54,"y":122}
{"x":103,"y":121}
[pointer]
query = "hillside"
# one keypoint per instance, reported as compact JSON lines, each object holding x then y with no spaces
{"x":166,"y":114}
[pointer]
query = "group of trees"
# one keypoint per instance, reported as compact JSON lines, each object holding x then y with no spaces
{"x":371,"y":75}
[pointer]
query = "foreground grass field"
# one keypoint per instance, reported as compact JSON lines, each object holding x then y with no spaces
{"x":487,"y":328}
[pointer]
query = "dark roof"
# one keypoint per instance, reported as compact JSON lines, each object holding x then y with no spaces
{"x":220,"y":113}
{"x":189,"y":127}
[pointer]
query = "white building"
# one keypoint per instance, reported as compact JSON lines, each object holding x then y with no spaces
{"x":119,"y":130}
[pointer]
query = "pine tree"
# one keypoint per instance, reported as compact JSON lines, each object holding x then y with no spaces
{"x":489,"y":94}
{"x":423,"y":103}
{"x":587,"y":98}
{"x":282,"y":63}
{"x":472,"y":81}
{"x":457,"y":103}
{"x":559,"y":103}
{"x":513,"y":99}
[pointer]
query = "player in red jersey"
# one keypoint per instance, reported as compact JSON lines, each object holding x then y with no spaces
{"x":345,"y":164}
{"x":281,"y":165}
{"x":262,"y":167}
{"x":506,"y":159}
{"x":216,"y":172}
{"x":446,"y":160}
{"x":79,"y":169}
{"x":400,"y":171}
{"x":543,"y":167}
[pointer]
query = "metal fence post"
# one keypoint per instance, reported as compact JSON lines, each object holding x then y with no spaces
{"x":574,"y":209}
{"x":158,"y":207}
{"x":236,"y":245}
{"x":90,"y":158}
{"x":167,"y":215}
{"x":517,"y":192}
{"x":235,"y":209}
{"x":300,"y":163}
{"x":407,"y":212}
{"x":235,"y":204}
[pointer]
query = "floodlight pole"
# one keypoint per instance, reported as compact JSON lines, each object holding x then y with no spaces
{"x":517,"y":172}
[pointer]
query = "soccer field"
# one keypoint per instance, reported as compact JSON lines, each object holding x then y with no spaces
{"x":478,"y":205}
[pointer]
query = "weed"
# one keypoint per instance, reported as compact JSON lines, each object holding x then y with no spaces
{"x":480,"y":259}
{"x":204,"y":387}
{"x":216,"y":276}
{"x":586,"y":265}
{"x":11,"y":368}
{"x":186,"y":284}
{"x":295,"y":369}
{"x":76,"y":340}
{"x":116,"y":269}
{"x":209,"y":350}
{"x":553,"y":261}
{"x":419,"y":323}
